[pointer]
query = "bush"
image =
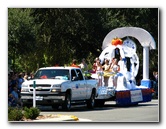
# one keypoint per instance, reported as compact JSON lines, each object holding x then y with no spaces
{"x":14,"y":114}
{"x":31,"y":113}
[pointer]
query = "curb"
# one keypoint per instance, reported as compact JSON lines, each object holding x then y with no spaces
{"x":69,"y":117}
{"x":58,"y":118}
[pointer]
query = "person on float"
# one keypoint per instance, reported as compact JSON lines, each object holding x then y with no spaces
{"x":99,"y":72}
{"x":114,"y":68}
{"x":94,"y":67}
{"x":106,"y":65}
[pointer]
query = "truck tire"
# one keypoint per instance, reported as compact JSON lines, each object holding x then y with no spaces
{"x":67,"y":103}
{"x":91,"y":101}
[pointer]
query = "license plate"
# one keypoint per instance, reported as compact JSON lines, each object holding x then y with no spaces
{"x":39,"y":98}
{"x":102,"y":91}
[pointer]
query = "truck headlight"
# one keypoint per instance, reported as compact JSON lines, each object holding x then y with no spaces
{"x":56,"y":90}
{"x":24,"y":90}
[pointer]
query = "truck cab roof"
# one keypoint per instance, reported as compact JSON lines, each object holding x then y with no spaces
{"x":60,"y":67}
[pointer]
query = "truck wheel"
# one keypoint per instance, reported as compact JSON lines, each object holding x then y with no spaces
{"x":67,"y":103}
{"x":91,"y":101}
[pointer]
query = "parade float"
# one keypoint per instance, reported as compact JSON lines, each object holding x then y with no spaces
{"x":120,"y":85}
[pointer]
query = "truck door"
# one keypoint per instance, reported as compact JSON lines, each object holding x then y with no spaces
{"x":82,"y":84}
{"x":75,"y":84}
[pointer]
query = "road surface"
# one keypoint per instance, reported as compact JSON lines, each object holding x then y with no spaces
{"x":143,"y":112}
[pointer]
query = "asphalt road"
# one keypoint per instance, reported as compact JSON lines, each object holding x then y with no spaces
{"x":143,"y":112}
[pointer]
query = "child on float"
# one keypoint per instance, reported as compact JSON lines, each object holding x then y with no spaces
{"x":99,"y":72}
{"x":114,"y":68}
{"x":106,"y":65}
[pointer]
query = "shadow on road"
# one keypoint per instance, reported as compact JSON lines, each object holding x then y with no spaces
{"x":83,"y":108}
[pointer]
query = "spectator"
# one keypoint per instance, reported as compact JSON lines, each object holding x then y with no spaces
{"x":11,"y":101}
{"x":14,"y":80}
{"x":31,"y":75}
{"x":11,"y":88}
{"x":74,"y":63}
{"x":16,"y":96}
{"x":155,"y":74}
{"x":20,"y":81}
{"x":83,"y":65}
{"x":25,"y":77}
{"x":154,"y":80}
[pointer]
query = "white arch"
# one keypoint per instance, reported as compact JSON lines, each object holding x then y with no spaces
{"x":143,"y":36}
{"x":145,"y":39}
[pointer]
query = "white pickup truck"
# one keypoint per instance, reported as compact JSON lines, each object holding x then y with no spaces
{"x":59,"y":86}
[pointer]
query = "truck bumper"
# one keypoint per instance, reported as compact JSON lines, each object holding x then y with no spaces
{"x":43,"y":99}
{"x":106,"y":96}
{"x":105,"y":92}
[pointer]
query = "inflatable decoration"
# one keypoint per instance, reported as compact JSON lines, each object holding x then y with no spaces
{"x":109,"y":52}
{"x":116,"y":41}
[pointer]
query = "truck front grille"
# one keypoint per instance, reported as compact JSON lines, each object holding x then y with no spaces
{"x":41,"y":85}
{"x":40,"y":89}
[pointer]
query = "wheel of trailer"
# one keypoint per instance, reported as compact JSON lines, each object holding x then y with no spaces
{"x":99,"y":103}
{"x":67,"y":103}
{"x":91,"y":101}
{"x":55,"y":107}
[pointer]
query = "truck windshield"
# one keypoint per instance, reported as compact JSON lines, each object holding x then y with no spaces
{"x":60,"y":74}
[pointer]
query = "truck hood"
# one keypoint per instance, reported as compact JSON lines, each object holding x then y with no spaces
{"x":45,"y":81}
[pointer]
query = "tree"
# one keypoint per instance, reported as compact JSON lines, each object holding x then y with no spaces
{"x":47,"y":36}
{"x":21,"y":36}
